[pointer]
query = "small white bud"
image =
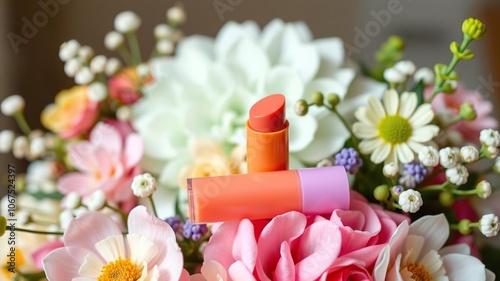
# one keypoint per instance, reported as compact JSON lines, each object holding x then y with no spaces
{"x":85,"y":53}
{"x":424,"y":74}
{"x":80,"y":210}
{"x":84,"y":76}
{"x":65,"y":218}
{"x":123,"y":113}
{"x":469,"y":154}
{"x":448,"y":157}
{"x":68,"y":50}
{"x":113,"y":40}
{"x":6,"y":140}
{"x":457,"y":175}
{"x":48,"y":186}
{"x":483,"y":189}
{"x":97,"y":92}
{"x":406,"y":67}
{"x":492,"y":152}
{"x":490,"y":137}
{"x":20,"y":147}
{"x":37,"y":147}
{"x":97,"y":64}
{"x":453,"y":84}
{"x":429,"y":156}
{"x":126,"y":22}
{"x":144,"y":185}
{"x":112,"y":66}
{"x":410,"y":201}
{"x":176,"y":15}
{"x":165,"y":47}
{"x":489,"y":225}
{"x":163,"y":31}
{"x":72,"y":200}
{"x":393,"y":75}
{"x":390,"y":170}
{"x":71,"y":67}
{"x":12,"y":104}
{"x":97,"y":200}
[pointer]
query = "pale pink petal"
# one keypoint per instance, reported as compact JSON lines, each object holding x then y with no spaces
{"x":132,"y":153}
{"x":81,"y":155}
{"x":238,"y":271}
{"x":106,"y":136}
{"x":463,"y":268}
{"x":184,"y":276}
{"x":76,"y":182}
{"x":198,"y":277}
{"x":434,"y":228}
{"x":285,"y":269}
{"x":273,"y":235}
{"x":220,"y":246}
{"x":245,"y":245}
{"x":60,"y":266}
{"x":169,"y":257}
{"x":316,"y":249}
{"x":211,"y":270}
{"x":367,"y":255}
{"x":43,"y":251}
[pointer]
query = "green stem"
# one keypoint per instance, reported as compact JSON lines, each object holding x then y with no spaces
{"x":153,"y":205}
{"x":452,"y":121}
{"x":21,"y":122}
{"x":464,"y":192}
{"x":346,"y":125}
{"x":134,"y":47}
{"x":434,"y":187}
{"x":125,"y":54}
{"x":35,"y":231}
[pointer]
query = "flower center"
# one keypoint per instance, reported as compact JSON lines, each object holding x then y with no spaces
{"x":120,"y":270}
{"x":394,"y":129}
{"x":419,"y":273}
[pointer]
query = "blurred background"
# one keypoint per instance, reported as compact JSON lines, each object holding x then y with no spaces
{"x":29,"y":63}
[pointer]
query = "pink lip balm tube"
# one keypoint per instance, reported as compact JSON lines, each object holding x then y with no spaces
{"x":264,"y":195}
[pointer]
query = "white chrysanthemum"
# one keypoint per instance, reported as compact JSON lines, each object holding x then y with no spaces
{"x":207,"y":88}
{"x":416,"y":252}
{"x":469,"y":154}
{"x":428,"y":156}
{"x":449,"y":156}
{"x":457,"y":175}
{"x":390,"y":170}
{"x":410,"y":201}
{"x":144,"y":185}
{"x":490,"y":137}
{"x":395,"y":130}
{"x":489,"y":225}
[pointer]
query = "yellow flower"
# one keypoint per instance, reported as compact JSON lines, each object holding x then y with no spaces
{"x":72,"y":113}
{"x":473,"y":28}
{"x":394,"y":131}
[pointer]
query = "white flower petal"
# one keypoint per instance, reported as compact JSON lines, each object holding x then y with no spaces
{"x":303,"y":31}
{"x":364,"y":131}
{"x":433,"y":263}
{"x":463,"y":249}
{"x":415,"y":146}
{"x":413,"y":247}
{"x":285,"y":80}
{"x":425,"y":133}
{"x":359,"y":91}
{"x":362,"y":115}
{"x":434,"y":228}
{"x":301,"y":131}
{"x":91,"y":266}
{"x":422,"y":116}
{"x":391,"y":102}
{"x":331,"y":51}
{"x":140,"y":249}
{"x":380,"y":153}
{"x":463,"y":268}
{"x":111,"y":248}
{"x":304,"y":59}
{"x":375,"y":107}
{"x":270,"y":39}
{"x":228,"y":35}
{"x":197,"y":43}
{"x":404,"y":153}
{"x":369,"y":145}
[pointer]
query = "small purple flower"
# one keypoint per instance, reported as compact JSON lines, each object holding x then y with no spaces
{"x":174,"y":222}
{"x":349,"y":158}
{"x":397,"y":189}
{"x":416,"y":170}
{"x":194,"y":231}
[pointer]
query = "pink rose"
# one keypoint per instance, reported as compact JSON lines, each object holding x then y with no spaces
{"x":292,"y":246}
{"x":124,"y":86}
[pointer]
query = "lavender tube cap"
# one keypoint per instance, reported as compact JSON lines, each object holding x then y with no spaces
{"x":324,"y":190}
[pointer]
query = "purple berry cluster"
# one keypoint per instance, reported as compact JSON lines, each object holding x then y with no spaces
{"x":174,"y":222}
{"x":194,"y":231}
{"x":349,"y":158}
{"x":416,"y":170}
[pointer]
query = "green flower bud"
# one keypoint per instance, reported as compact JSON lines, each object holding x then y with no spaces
{"x":396,"y":42}
{"x":464,"y":227}
{"x":301,"y":107}
{"x":467,"y":111}
{"x":381,"y":192}
{"x":473,"y":28}
{"x":465,"y":55}
{"x":446,"y":198}
{"x":333,"y":99}
{"x":3,"y":225}
{"x":317,"y":98}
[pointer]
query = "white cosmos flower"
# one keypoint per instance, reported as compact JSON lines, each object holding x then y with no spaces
{"x":417,"y":250}
{"x":207,"y":88}
{"x":393,"y":131}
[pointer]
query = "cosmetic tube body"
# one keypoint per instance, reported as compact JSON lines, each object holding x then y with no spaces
{"x":312,"y":191}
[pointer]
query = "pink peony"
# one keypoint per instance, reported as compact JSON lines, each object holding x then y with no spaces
{"x":94,"y":248}
{"x":448,"y":106}
{"x":107,"y":161}
{"x":295,"y":247}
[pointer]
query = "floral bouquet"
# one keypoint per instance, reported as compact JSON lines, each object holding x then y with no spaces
{"x":105,"y":194}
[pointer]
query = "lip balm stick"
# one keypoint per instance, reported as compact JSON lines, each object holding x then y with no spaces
{"x":267,"y":135}
{"x":312,"y":191}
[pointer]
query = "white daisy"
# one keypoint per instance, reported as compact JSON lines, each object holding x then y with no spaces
{"x":395,"y":130}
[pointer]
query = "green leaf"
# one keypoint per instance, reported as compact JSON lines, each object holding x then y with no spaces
{"x":419,"y":90}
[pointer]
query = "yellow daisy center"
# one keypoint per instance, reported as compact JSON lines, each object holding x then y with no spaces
{"x":419,"y":273}
{"x":394,"y":129}
{"x":120,"y":270}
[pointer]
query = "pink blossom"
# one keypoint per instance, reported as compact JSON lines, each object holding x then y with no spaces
{"x":95,"y":247}
{"x":124,"y":86}
{"x":43,"y":251}
{"x":449,"y":105}
{"x":105,"y":161}
{"x":292,"y":246}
